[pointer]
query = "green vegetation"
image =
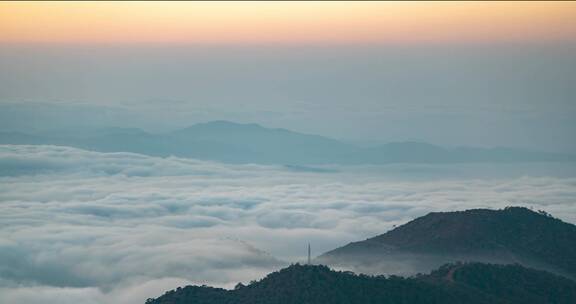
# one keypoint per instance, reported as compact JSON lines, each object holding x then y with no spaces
{"x":507,"y":236}
{"x":473,"y":283}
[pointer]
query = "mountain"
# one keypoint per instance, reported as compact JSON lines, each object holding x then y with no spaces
{"x":254,"y":143}
{"x":510,"y":235}
{"x":251,"y":143}
{"x":455,"y":283}
{"x":218,"y":140}
{"x":501,"y":248}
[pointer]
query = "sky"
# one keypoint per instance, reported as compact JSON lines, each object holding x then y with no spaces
{"x":448,"y":73}
{"x":285,"y":22}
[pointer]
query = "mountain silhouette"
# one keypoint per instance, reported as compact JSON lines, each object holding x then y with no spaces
{"x":510,"y":235}
{"x":471,"y":283}
{"x":516,"y":239}
{"x":254,"y":143}
{"x":251,"y":143}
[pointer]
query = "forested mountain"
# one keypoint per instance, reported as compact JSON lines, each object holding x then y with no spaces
{"x":510,"y":235}
{"x":455,"y":283}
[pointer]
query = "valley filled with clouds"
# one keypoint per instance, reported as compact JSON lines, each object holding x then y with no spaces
{"x":86,"y":227}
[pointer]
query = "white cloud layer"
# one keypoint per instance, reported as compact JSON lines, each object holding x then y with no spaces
{"x":86,"y":227}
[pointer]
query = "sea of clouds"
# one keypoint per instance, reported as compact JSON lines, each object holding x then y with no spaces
{"x":86,"y":227}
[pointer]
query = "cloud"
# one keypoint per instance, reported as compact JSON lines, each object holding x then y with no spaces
{"x":86,"y":227}
{"x":129,"y":293}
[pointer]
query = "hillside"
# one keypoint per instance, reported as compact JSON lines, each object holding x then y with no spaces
{"x":511,"y":235}
{"x":459,"y":283}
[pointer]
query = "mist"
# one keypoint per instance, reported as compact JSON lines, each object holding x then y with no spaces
{"x":498,"y":95}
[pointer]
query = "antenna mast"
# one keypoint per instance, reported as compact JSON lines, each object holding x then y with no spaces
{"x":309,"y":262}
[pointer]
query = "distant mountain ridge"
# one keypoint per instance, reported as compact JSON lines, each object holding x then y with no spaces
{"x":451,"y":284}
{"x":511,"y":235}
{"x":251,"y":143}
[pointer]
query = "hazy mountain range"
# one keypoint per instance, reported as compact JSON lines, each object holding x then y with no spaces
{"x":511,"y":242}
{"x":251,"y":143}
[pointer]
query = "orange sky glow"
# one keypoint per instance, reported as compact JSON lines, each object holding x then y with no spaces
{"x":285,"y":22}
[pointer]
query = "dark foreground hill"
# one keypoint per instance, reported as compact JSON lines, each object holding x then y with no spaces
{"x":457,"y":283}
{"x":511,"y":235}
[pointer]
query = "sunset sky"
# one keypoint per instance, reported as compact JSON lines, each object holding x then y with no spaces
{"x":285,"y":22}
{"x":449,"y":73}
